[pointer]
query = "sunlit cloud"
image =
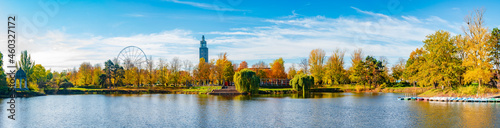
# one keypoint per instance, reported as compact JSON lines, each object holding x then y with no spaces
{"x":216,"y":6}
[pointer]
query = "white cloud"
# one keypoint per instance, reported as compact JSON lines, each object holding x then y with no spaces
{"x":291,"y":39}
{"x":217,"y":6}
{"x":295,"y":38}
{"x":293,"y":15}
{"x":58,"y":51}
{"x":411,"y":19}
{"x":370,"y":13}
{"x":134,"y":15}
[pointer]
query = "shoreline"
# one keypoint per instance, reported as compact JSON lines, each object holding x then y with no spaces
{"x":417,"y":91}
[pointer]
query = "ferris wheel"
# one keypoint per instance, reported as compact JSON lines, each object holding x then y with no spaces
{"x":132,"y":56}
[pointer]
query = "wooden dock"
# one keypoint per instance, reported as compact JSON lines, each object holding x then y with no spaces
{"x":226,"y":90}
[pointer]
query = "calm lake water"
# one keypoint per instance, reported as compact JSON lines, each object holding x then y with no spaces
{"x":186,"y":110}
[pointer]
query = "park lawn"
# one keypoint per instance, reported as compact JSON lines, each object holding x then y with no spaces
{"x":201,"y":89}
{"x":461,"y":91}
{"x":84,"y":89}
{"x":340,"y":86}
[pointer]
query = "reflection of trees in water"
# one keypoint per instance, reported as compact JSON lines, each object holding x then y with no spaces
{"x":263,"y":97}
{"x":452,"y":114}
{"x":317,"y":95}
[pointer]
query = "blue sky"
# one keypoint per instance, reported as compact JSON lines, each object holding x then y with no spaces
{"x":71,"y":32}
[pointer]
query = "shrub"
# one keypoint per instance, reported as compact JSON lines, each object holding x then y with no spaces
{"x":246,"y":81}
{"x":302,"y":81}
{"x":4,"y":90}
{"x":66,"y":85}
{"x":383,"y":85}
{"x":33,"y":86}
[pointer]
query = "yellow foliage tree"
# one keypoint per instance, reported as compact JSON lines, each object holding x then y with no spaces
{"x":316,"y":60}
{"x":476,"y":49}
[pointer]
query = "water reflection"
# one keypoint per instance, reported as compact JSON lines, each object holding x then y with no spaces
{"x":272,"y":110}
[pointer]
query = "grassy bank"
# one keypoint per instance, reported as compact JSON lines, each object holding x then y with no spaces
{"x":469,"y":91}
{"x":132,"y":90}
{"x":276,"y":91}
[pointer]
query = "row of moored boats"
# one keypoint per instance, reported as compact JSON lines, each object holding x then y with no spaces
{"x":451,"y":99}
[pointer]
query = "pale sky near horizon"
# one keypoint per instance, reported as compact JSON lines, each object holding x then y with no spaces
{"x":67,"y":33}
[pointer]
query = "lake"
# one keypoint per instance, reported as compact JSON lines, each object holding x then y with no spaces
{"x":188,"y":110}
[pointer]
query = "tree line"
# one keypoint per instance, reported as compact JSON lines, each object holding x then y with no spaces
{"x":443,"y":61}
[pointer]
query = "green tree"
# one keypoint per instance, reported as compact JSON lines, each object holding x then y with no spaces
{"x":3,"y":76}
{"x":96,"y":74}
{"x":302,"y":82}
{"x":114,"y":74}
{"x":374,"y":69}
{"x":26,"y":63}
{"x":495,"y":52}
{"x":228,"y":72}
{"x":246,"y":81}
{"x":38,"y":74}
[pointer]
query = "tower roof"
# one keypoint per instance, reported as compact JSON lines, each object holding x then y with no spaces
{"x":20,"y":74}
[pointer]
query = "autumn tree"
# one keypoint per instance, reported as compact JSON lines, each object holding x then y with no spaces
{"x":261,"y":69}
{"x":151,"y":76}
{"x":304,"y":66}
{"x":398,"y":69}
{"x":477,"y":59}
{"x":202,"y":71}
{"x":175,"y":66}
{"x":278,"y":69}
{"x":414,"y":65}
{"x":84,"y":74}
{"x":163,"y":72}
{"x":316,"y":61}
{"x":224,"y":68}
{"x":441,"y":62}
{"x":96,"y":73}
{"x":334,"y":68}
{"x":131,"y":76}
{"x":291,"y":72}
{"x":242,"y":65}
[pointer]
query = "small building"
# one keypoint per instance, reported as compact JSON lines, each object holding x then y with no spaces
{"x":203,"y":48}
